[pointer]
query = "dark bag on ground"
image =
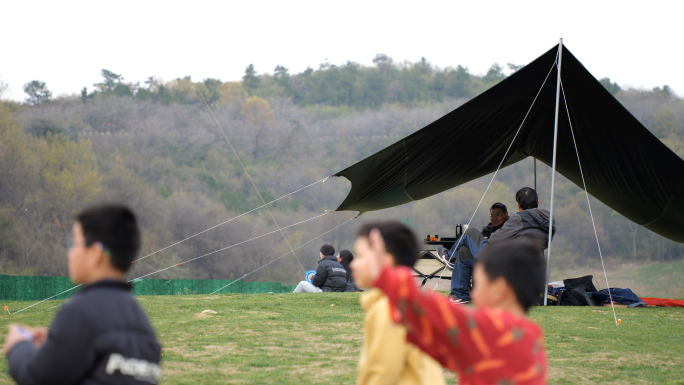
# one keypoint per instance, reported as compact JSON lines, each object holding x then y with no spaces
{"x":576,"y":291}
{"x":620,"y":297}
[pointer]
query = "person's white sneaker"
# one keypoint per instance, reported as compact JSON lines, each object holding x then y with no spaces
{"x":457,"y":301}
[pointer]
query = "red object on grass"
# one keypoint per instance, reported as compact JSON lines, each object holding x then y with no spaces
{"x":666,"y":302}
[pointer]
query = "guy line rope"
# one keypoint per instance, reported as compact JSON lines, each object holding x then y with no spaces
{"x":211,"y":253}
{"x":231,"y":219}
{"x":248,"y":176}
{"x":586,"y":193}
{"x":228,"y":247}
{"x":298,"y":247}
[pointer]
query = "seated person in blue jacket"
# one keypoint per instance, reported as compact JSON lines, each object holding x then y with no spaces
{"x":529,"y":222}
{"x":330,"y":274}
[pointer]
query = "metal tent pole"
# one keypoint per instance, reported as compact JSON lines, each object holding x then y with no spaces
{"x":553,"y":168}
{"x":535,"y":176}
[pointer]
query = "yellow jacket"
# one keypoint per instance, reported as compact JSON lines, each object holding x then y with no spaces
{"x":386,"y":357}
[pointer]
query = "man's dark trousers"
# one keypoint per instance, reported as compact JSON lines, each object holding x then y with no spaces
{"x":474,"y":242}
{"x":460,"y":278}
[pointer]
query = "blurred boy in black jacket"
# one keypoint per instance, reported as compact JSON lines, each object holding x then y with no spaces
{"x":101,"y":335}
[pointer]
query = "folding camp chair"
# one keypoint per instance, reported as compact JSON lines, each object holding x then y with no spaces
{"x":429,"y":265}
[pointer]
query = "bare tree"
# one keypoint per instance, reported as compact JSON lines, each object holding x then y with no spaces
{"x":4,"y":88}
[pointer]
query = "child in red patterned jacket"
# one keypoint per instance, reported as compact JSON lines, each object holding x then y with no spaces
{"x":493,"y":343}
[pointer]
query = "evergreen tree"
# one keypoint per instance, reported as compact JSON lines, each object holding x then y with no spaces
{"x":384,"y":62}
{"x":612,"y":87}
{"x":37,"y":92}
{"x":251,"y":80}
{"x":281,"y":74}
{"x":112,"y":83}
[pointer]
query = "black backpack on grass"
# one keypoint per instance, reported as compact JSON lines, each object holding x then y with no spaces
{"x":576,"y":290}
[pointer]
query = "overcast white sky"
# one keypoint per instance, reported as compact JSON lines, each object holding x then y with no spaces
{"x":67,"y":43}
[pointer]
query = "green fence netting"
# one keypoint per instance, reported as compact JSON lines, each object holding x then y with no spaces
{"x":36,"y":288}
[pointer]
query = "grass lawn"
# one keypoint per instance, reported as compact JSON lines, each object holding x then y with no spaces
{"x":315,"y":339}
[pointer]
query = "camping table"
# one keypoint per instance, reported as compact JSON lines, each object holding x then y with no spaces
{"x":429,"y":265}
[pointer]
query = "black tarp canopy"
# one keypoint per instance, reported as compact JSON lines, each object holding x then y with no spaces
{"x":625,"y":166}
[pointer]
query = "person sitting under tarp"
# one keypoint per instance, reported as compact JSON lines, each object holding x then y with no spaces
{"x":330,"y":274}
{"x":529,"y":222}
{"x":473,"y":239}
{"x":463,"y":253}
{"x":345,"y":257}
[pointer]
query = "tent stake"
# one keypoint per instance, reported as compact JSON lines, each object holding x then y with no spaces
{"x":553,"y":170}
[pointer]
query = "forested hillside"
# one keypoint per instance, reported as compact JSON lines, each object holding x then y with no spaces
{"x":158,"y":148}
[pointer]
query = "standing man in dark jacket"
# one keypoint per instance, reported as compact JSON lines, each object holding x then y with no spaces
{"x":330,"y":274}
{"x":101,"y":335}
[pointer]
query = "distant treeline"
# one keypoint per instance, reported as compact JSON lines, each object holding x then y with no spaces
{"x":350,"y":84}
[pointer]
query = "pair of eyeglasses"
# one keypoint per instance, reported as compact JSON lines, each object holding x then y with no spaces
{"x":496,"y":215}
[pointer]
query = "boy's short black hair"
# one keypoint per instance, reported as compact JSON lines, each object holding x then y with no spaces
{"x":116,"y":228}
{"x":527,"y":198}
{"x":400,"y":241}
{"x":521,"y":264}
{"x":499,"y":205}
{"x":327,"y":250}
